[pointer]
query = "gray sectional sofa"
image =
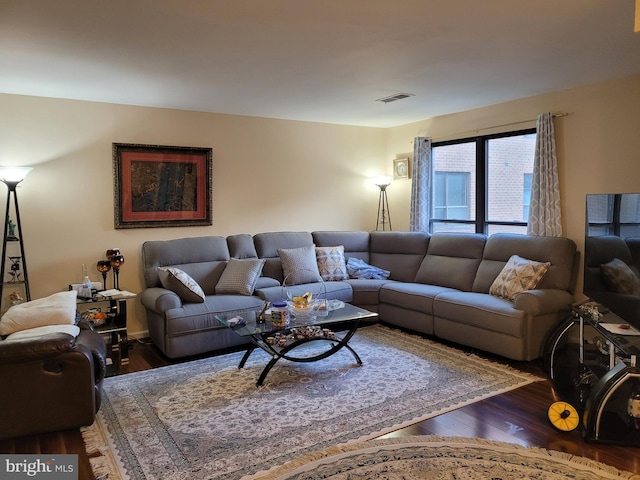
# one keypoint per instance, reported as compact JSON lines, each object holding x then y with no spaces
{"x":438,"y":285}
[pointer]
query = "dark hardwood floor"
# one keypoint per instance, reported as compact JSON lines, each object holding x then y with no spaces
{"x":519,"y":416}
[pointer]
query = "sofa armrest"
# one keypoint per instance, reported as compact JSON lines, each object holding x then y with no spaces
{"x":543,"y":301}
{"x":92,"y":343}
{"x":159,"y":299}
{"x":33,"y":348}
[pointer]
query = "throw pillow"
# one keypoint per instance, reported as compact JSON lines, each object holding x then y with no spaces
{"x":620,"y":277}
{"x":518,"y":274}
{"x":299,"y":265}
{"x":240,"y":276}
{"x":331,"y":263}
{"x":181,"y":284}
{"x":56,"y":309}
{"x":358,"y":268}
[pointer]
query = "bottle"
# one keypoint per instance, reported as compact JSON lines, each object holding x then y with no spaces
{"x":86,"y":284}
{"x":279,"y":314}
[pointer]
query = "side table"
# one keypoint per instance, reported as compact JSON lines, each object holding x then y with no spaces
{"x":113,"y":329}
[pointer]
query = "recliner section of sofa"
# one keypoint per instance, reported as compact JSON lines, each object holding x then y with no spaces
{"x":51,"y":383}
{"x":438,"y":285}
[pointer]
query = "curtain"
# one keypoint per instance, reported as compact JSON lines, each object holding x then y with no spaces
{"x":544,"y":212}
{"x":421,"y":185}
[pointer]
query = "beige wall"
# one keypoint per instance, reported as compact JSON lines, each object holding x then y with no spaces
{"x":272,"y":174}
{"x":268,"y":175}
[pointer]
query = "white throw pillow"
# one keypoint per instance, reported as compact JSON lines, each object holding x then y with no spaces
{"x":299,"y":265}
{"x":518,"y":274}
{"x":240,"y":276}
{"x":38,"y":332}
{"x":56,"y":309}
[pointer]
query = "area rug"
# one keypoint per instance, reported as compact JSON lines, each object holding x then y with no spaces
{"x":441,"y":458}
{"x":206,"y":419}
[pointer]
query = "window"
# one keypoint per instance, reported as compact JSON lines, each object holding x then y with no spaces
{"x":526,"y":195}
{"x":483,"y":184}
{"x":451,"y":195}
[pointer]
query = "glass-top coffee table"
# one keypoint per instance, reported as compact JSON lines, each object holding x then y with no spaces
{"x":279,"y":342}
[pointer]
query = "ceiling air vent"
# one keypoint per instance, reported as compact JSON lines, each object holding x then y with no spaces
{"x":394,"y":98}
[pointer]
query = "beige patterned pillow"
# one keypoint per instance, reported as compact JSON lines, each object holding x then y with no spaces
{"x":181,"y":283}
{"x":518,"y":274}
{"x":331,"y":263}
{"x":620,"y":277}
{"x":240,"y":276}
{"x":299,"y":265}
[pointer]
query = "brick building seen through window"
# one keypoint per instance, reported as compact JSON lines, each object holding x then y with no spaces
{"x":483,"y":184}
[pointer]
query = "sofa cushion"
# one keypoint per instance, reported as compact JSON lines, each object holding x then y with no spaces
{"x":411,"y":296}
{"x":240,"y":276}
{"x":56,"y":309}
{"x":519,"y":274}
{"x":356,"y":243}
{"x":486,"y":312}
{"x":268,"y":243}
{"x":559,"y":251}
{"x":452,"y":260}
{"x":181,"y":283}
{"x":202,"y":258}
{"x":299,"y":265}
{"x":331,"y":263}
{"x":241,"y":246}
{"x":620,"y":278}
{"x":398,"y":252}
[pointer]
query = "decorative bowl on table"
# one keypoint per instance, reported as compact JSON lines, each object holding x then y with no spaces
{"x":303,"y":309}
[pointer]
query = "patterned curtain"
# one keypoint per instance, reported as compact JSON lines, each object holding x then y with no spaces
{"x":544,"y":213}
{"x":421,"y":185}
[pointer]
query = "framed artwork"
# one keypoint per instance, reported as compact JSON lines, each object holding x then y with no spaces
{"x":401,"y":168}
{"x":161,"y":186}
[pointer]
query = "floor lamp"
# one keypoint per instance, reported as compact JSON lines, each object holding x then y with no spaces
{"x":384,"y":216}
{"x":11,"y":177}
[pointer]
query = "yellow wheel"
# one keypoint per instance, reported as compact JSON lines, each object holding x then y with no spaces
{"x":563,"y":416}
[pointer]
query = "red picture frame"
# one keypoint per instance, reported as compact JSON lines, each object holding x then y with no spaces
{"x":162,"y":186}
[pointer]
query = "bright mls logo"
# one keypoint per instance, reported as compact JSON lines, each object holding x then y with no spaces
{"x":50,"y":467}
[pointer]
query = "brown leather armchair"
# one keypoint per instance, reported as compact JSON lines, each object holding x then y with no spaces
{"x":51,"y":383}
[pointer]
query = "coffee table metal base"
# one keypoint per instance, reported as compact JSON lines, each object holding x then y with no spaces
{"x":259,"y":341}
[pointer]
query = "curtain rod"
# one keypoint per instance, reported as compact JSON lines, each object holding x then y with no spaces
{"x":563,"y":114}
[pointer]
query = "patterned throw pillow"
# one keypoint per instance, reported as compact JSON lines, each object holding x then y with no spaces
{"x":181,"y":283}
{"x":240,"y":276}
{"x":518,"y":275}
{"x":299,"y":265}
{"x":620,"y":277}
{"x":331,"y":263}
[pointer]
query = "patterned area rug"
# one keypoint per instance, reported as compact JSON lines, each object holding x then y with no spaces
{"x":207,"y":419}
{"x":438,"y":458}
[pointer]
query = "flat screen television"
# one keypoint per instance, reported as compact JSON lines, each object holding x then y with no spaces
{"x":612,"y":253}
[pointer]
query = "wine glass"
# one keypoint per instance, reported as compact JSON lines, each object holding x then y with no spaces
{"x":103,"y":267}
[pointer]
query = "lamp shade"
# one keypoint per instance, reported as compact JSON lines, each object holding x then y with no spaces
{"x":384,"y":181}
{"x":13,"y":174}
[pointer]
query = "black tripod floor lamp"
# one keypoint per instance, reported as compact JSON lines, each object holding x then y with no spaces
{"x":11,"y":177}
{"x":384,"y":216}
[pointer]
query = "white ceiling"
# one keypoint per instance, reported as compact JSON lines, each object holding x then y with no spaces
{"x":323,"y":60}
